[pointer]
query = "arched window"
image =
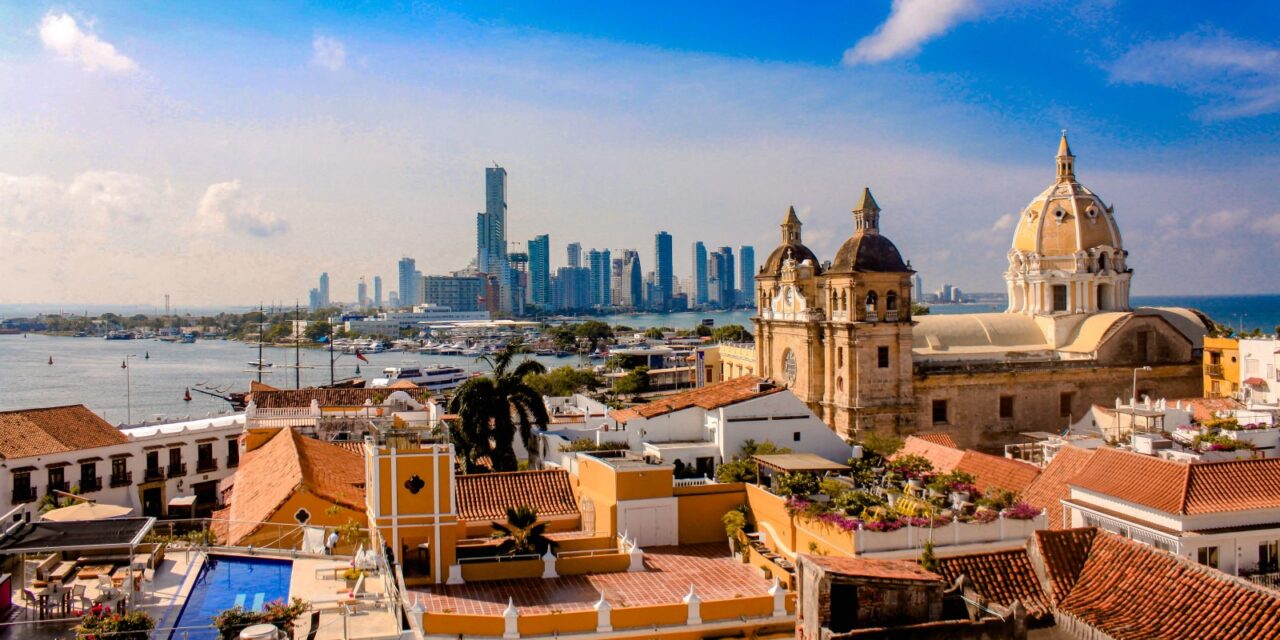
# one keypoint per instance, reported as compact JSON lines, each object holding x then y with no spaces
{"x":891,"y":301}
{"x":839,"y":356}
{"x":844,"y":300}
{"x":1102,"y":262}
{"x":872,"y":300}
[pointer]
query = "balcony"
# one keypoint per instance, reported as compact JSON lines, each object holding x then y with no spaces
{"x":178,"y":470}
{"x":206,"y":466}
{"x":122,"y":480}
{"x":872,"y":316}
{"x":21,"y":495}
{"x":152,"y":474}
{"x":1213,"y":370}
{"x":59,"y":486}
{"x":891,"y":315}
{"x":90,"y":484}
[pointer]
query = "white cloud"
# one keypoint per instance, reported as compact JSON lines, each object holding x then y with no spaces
{"x":911,"y":23}
{"x":328,"y":52}
{"x":60,"y":34}
{"x":225,"y":206}
{"x":1237,"y":78}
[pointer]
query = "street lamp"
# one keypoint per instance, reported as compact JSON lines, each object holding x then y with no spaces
{"x":1133,"y":399}
{"x":128,"y":386}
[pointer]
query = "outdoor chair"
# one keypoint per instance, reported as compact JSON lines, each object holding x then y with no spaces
{"x":78,"y":596}
{"x":30,"y":601}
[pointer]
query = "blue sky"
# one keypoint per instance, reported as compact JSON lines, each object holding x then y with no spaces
{"x":229,"y":153}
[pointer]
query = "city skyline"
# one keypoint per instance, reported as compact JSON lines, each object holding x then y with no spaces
{"x":369,"y":120}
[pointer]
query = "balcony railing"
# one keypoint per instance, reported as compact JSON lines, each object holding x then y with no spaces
{"x":205,"y":466}
{"x":872,"y":316}
{"x":153,"y":473}
{"x":122,"y":480}
{"x":1213,"y":370}
{"x":24,"y":495}
{"x":59,"y":486}
{"x":91,"y":484}
{"x":178,"y":470}
{"x":891,"y":315}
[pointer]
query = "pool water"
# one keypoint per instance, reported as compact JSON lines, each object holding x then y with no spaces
{"x":226,"y":581}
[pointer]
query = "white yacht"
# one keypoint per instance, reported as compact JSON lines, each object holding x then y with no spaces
{"x":436,"y":377}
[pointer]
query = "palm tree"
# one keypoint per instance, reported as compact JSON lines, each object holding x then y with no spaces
{"x":490,"y":409}
{"x":523,"y":533}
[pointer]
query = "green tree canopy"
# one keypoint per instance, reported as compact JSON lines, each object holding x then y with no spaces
{"x":490,"y":409}
{"x":563,"y":381}
{"x":593,"y":331}
{"x":731,"y":333}
{"x":634,"y":383}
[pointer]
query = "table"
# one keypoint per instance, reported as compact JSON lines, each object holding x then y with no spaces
{"x":45,"y":593}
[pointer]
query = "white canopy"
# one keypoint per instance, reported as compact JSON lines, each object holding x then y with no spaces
{"x":86,"y":511}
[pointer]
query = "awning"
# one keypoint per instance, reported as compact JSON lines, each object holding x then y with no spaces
{"x":1255,"y":382}
{"x":182,"y":501}
{"x":86,"y":511}
{"x":792,"y":462}
{"x":47,"y":537}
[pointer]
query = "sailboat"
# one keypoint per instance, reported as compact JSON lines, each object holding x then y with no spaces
{"x":186,"y":396}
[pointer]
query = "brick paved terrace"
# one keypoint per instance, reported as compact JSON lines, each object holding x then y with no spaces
{"x":668,"y":573}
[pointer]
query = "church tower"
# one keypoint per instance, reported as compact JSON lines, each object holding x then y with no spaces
{"x":1067,"y":259}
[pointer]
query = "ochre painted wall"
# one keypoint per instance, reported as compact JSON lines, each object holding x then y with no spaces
{"x":700,"y":513}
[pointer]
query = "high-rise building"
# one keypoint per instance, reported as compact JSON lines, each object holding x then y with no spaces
{"x":631,"y":285}
{"x":571,"y":289}
{"x":393,"y":300}
{"x":664,"y":283}
{"x":377,"y":292}
{"x":408,"y":281}
{"x":699,"y":273}
{"x":917,"y":291}
{"x":313,"y":300}
{"x":324,"y":289}
{"x":724,"y":278}
{"x":600,"y":264}
{"x":574,"y":251}
{"x":362,"y":293}
{"x":460,"y":293}
{"x":746,"y":273}
{"x":540,"y":270}
{"x":491,"y":224}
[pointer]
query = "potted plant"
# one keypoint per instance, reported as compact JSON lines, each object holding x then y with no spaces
{"x":734,"y":521}
{"x":352,"y":576}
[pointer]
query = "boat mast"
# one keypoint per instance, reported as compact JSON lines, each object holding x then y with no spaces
{"x":297,"y":355}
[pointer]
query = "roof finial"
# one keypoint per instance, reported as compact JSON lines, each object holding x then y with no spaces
{"x":1066,"y":161}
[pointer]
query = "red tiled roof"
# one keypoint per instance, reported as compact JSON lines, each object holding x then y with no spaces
{"x":712,"y":396}
{"x":1063,"y":554}
{"x":288,"y":463}
{"x":1184,"y":489}
{"x":941,"y":437}
{"x":870,"y":568}
{"x":1001,"y":577}
{"x":988,"y":470}
{"x":486,"y":496}
{"x":36,"y":432}
{"x":1131,"y":591}
{"x":1050,"y":487}
{"x":1204,"y":408}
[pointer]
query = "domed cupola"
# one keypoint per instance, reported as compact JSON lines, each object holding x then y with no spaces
{"x":1067,"y":256}
{"x":866,"y":251}
{"x":792,"y":248}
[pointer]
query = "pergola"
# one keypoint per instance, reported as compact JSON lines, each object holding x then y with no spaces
{"x":46,"y":537}
{"x":796,"y":462}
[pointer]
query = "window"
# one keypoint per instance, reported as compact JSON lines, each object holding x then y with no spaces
{"x":1269,"y":557}
{"x":839,"y":356}
{"x":119,"y":472}
{"x":891,"y":301}
{"x":1215,"y":357}
{"x":22,"y":484}
{"x":153,"y":461}
{"x":57,"y":480}
{"x":89,"y":476}
{"x":1064,"y":403}
{"x":1207,"y":556}
{"x":882,"y":357}
{"x":176,"y":468}
{"x":939,"y":411}
{"x":789,"y":366}
{"x":1216,"y":389}
{"x":872,"y":299}
{"x":1059,"y":297}
{"x":1144,"y":341}
{"x":1006,"y":407}
{"x":795,"y":436}
{"x":204,"y":457}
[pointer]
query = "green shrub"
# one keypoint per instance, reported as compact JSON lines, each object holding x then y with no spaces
{"x":232,"y":621}
{"x":586,"y":445}
{"x":101,"y":622}
{"x":797,"y":483}
{"x":734,"y":521}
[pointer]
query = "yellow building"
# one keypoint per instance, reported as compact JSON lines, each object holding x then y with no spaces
{"x":737,"y":360}
{"x":1221,"y":367}
{"x":840,"y":334}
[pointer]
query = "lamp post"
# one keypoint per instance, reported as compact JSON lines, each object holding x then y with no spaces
{"x":1133,"y":399}
{"x":128,"y":389}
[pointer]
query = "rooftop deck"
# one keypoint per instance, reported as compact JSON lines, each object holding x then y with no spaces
{"x":669,"y":571}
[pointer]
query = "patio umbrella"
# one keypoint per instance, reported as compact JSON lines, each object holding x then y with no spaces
{"x":87,"y":511}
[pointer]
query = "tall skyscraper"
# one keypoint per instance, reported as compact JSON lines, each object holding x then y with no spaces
{"x":664,"y":283}
{"x":408,"y":282}
{"x":362,"y":293}
{"x":313,"y":300}
{"x":324,"y":289}
{"x":699,"y":273}
{"x":917,"y":289}
{"x":600,"y":264}
{"x":723,"y":278}
{"x":540,"y":270}
{"x":491,"y":240}
{"x":377,"y":292}
{"x":574,"y":251}
{"x":746,"y":273}
{"x":631,"y":285}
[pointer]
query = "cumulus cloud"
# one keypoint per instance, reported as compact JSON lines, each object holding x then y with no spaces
{"x":62,"y":35}
{"x":226,"y":206}
{"x":911,"y":23}
{"x":1236,"y":78}
{"x":91,"y":200}
{"x":328,"y":52}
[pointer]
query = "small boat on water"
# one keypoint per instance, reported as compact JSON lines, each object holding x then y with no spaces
{"x":187,"y":338}
{"x":186,"y":396}
{"x":50,"y":359}
{"x":120,"y":335}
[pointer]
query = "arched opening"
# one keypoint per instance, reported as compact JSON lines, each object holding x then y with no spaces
{"x":871,"y":302}
{"x":839,"y":384}
{"x":891,"y":301}
{"x":1102,"y":262}
{"x":1105,"y":295}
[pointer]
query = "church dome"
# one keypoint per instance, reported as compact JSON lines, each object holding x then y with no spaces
{"x":1067,"y":218}
{"x":790,"y":249}
{"x":867,"y":251}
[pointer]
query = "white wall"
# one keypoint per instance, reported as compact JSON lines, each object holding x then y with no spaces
{"x":778,"y":417}
{"x":1258,"y":359}
{"x":650,"y":522}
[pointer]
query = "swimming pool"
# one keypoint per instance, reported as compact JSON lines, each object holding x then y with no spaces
{"x":226,"y":581}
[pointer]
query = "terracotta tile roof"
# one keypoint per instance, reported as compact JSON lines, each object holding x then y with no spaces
{"x":293,"y":398}
{"x":1063,"y":554}
{"x":1204,"y":408}
{"x":288,"y":463}
{"x":988,"y":470}
{"x":871,"y":568}
{"x":1050,"y":487}
{"x":1131,"y":591}
{"x":1001,"y":577}
{"x":940,"y":437}
{"x":486,"y":496}
{"x":712,"y":396}
{"x":37,"y":432}
{"x":1184,"y":489}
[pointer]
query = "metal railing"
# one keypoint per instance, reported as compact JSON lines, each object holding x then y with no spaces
{"x":206,"y":465}
{"x":479,"y":559}
{"x":587,"y":553}
{"x":266,"y":535}
{"x":91,"y":484}
{"x":152,"y":473}
{"x":691,"y":482}
{"x":24,"y":495}
{"x":1213,"y":370}
{"x":63,"y":486}
{"x":122,"y":480}
{"x":177,"y":470}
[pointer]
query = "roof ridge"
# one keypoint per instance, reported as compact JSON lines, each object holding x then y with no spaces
{"x":1186,"y":491}
{"x":50,"y":408}
{"x":508,"y":473}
